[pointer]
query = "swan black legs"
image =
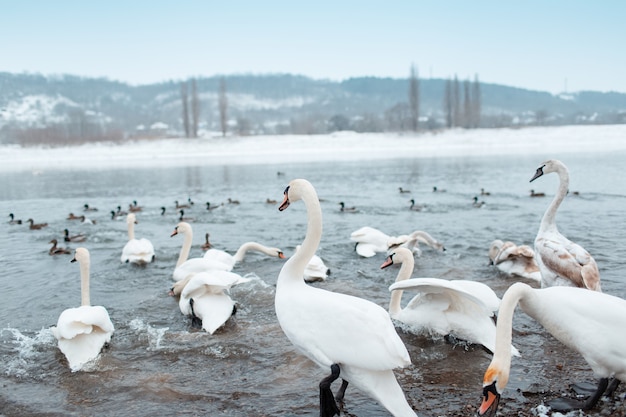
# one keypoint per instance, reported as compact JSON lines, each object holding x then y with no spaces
{"x":328,"y":406}
{"x":568,"y":404}
{"x":341,"y":392}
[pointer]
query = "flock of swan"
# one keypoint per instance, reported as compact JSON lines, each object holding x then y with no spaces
{"x":354,"y":339}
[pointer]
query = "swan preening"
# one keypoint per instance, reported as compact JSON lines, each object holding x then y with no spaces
{"x":84,"y":330}
{"x":461,"y":308}
{"x":230,"y":260}
{"x":589,"y":322}
{"x":137,"y":251}
{"x":370,"y":241}
{"x":561,"y":261}
{"x":514,"y":260}
{"x":348,"y":336}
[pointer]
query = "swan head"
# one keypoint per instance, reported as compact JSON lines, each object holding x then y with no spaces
{"x":294,"y":192}
{"x":81,"y":255}
{"x":493,"y":384}
{"x":398,"y":256}
{"x":549,"y":166}
{"x":131,"y":218}
{"x":494,"y":249}
{"x":182,"y":227}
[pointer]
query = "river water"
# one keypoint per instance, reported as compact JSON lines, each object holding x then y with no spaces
{"x":158,"y":364}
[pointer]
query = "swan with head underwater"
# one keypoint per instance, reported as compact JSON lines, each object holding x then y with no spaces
{"x":514,"y":260}
{"x":461,"y":308}
{"x":561,"y":261}
{"x":589,"y":322}
{"x":83,"y":331}
{"x":136,"y":251}
{"x":349,"y":336}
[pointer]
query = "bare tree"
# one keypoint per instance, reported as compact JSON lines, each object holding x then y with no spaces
{"x":195,"y":109}
{"x":467,"y":105}
{"x":184,"y":98}
{"x":223,"y":106}
{"x":456,"y":103}
{"x":476,"y":103}
{"x":447,"y":103}
{"x":414,"y":98}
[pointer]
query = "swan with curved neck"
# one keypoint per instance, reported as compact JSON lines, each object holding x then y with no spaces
{"x":461,"y":308}
{"x":230,"y":260}
{"x":561,"y":261}
{"x":514,"y":260}
{"x":82,"y":332}
{"x":413,"y":240}
{"x":185,"y":266}
{"x":589,"y":322}
{"x":347,"y":335}
{"x":137,"y":251}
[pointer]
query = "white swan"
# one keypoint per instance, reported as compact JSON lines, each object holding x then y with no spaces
{"x":369,"y":241}
{"x":413,"y":240}
{"x":230,"y":260}
{"x":137,"y":251}
{"x":184,"y":266}
{"x":204,"y":297}
{"x":461,"y":308}
{"x":589,"y":322}
{"x":514,"y":260}
{"x":83,"y":331}
{"x":352,"y":337}
{"x":316,"y":269}
{"x":561,"y":261}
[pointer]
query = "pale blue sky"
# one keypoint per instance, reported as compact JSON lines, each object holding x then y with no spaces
{"x":534,"y":44}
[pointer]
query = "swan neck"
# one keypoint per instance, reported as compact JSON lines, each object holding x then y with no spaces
{"x":241,"y":252}
{"x":549,"y":218}
{"x":184,"y":251}
{"x":84,"y":283}
{"x":131,"y":230}
{"x":298,"y":261}
{"x":406,"y":269}
{"x":504,"y":329}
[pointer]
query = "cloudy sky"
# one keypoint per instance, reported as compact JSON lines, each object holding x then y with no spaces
{"x":548,"y":45}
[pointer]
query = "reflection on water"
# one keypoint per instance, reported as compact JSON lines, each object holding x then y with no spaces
{"x":157,"y":364}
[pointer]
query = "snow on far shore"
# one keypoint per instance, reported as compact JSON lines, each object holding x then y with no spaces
{"x":339,"y":146}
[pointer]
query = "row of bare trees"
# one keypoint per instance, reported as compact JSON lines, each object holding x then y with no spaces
{"x":466,"y":115}
{"x":191,"y":126}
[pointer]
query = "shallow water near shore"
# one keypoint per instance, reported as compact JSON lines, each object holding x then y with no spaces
{"x":158,"y":364}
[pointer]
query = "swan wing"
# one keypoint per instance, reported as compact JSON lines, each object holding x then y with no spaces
{"x":568,"y":260}
{"x":361,"y":335}
{"x":138,"y":251}
{"x":315,"y":269}
{"x":195,"y":265}
{"x":371,"y":236}
{"x":214,"y":309}
{"x":220,"y":256}
{"x":82,"y":332}
{"x":366,"y":250}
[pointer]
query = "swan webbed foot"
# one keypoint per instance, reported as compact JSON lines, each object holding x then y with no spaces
{"x":341,"y":393}
{"x":328,"y":406}
{"x":569,"y":404}
{"x":612,"y":387}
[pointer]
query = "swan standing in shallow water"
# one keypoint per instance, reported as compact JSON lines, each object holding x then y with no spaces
{"x":347,"y":335}
{"x":184,"y":266}
{"x":83,"y":331}
{"x":561,"y":261}
{"x":514,"y":260}
{"x":589,"y":322}
{"x":137,"y":251}
{"x":204,"y":297}
{"x":461,"y":308}
{"x":230,"y":260}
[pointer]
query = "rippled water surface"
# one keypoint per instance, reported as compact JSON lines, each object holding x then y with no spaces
{"x":158,"y":364}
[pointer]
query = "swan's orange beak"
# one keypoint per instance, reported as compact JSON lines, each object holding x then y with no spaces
{"x":285,"y":202}
{"x":388,"y":261}
{"x":281,"y":255}
{"x":491,"y":399}
{"x":174,"y":233}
